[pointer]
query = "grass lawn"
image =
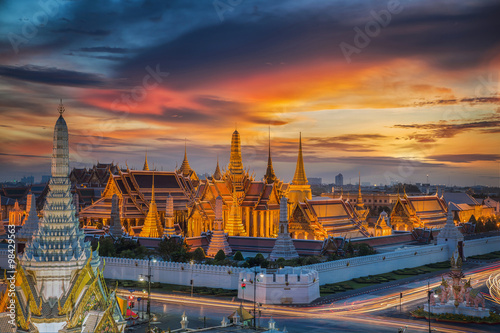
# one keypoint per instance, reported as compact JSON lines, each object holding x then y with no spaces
{"x":171,"y":288}
{"x":370,"y":280}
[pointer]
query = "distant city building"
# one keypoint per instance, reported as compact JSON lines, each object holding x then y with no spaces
{"x":339,"y":180}
{"x":45,"y":179}
{"x":315,"y":181}
{"x":28,"y":180}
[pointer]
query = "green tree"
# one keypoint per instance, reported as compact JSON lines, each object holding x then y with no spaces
{"x":220,"y":256}
{"x":107,"y":247}
{"x":199,"y":255}
{"x":238,"y":256}
{"x":365,"y":249}
{"x":173,"y":249}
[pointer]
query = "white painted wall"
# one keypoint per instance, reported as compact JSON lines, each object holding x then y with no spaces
{"x":481,"y":246}
{"x":292,"y":285}
{"x":173,"y":272}
{"x":330,"y":272}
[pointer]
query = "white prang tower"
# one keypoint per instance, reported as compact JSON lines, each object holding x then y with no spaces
{"x":218,"y":241}
{"x":283,"y":247}
{"x":58,"y":248}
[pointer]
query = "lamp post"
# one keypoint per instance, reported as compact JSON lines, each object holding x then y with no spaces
{"x":429,"y":305}
{"x":254,"y":296}
{"x":141,"y":278}
{"x":192,"y":282}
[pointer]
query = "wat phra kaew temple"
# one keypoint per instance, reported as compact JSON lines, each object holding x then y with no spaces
{"x":250,"y":206}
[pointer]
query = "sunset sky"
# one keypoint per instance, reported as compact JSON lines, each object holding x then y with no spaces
{"x":419,"y":97}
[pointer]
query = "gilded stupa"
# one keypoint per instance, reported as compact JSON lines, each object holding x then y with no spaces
{"x":59,"y":285}
{"x":152,"y":225}
{"x":299,"y":190}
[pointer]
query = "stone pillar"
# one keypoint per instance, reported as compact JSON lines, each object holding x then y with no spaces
{"x":261,"y":224}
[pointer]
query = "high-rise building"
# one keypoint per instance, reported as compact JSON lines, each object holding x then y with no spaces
{"x":339,"y":180}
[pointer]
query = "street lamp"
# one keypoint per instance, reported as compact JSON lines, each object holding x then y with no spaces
{"x":192,"y":282}
{"x":254,"y":295}
{"x":143,"y":278}
{"x":429,"y":294}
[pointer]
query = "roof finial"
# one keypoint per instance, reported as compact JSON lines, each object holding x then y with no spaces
{"x":146,"y":166}
{"x":269,"y":177}
{"x":153,"y":188}
{"x":300,"y":177}
{"x":60,"y":108}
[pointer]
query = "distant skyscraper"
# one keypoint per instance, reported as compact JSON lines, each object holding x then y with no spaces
{"x":339,"y":180}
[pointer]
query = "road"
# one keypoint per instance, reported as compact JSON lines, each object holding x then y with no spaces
{"x":373,"y":312}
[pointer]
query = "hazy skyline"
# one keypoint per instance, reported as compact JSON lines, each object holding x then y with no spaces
{"x":418,"y":96}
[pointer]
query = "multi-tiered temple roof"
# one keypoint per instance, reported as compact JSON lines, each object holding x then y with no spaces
{"x":58,"y":279}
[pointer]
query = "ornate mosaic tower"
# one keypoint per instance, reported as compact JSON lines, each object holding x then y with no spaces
{"x":283,"y":247}
{"x":59,"y":285}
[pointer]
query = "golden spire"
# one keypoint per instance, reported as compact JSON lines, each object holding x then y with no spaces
{"x":235,"y":167}
{"x":153,"y":189}
{"x":300,"y":177}
{"x":152,"y":225}
{"x":360,"y":198}
{"x":146,"y":166}
{"x":235,"y":162}
{"x":269,"y":177}
{"x":341,"y":192}
{"x":185,"y":167}
{"x":217,"y":174}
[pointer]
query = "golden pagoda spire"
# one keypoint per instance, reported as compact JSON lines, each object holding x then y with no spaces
{"x":217,"y":174}
{"x":235,"y":161}
{"x":153,"y":189}
{"x":152,"y":225}
{"x":269,"y":177}
{"x":185,"y":167}
{"x":300,"y":177}
{"x":146,"y":166}
{"x":360,"y":198}
{"x":235,"y":167}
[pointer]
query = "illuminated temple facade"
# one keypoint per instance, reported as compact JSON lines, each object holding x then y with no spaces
{"x":59,"y":282}
{"x":423,"y":211}
{"x":250,"y":206}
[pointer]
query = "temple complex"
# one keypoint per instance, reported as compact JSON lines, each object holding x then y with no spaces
{"x":423,"y":211}
{"x":58,"y":278}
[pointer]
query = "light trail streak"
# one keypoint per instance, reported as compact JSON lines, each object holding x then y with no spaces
{"x":357,"y":311}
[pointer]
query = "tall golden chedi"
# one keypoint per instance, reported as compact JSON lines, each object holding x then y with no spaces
{"x":299,"y":189}
{"x":152,"y":225}
{"x":59,"y":285}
